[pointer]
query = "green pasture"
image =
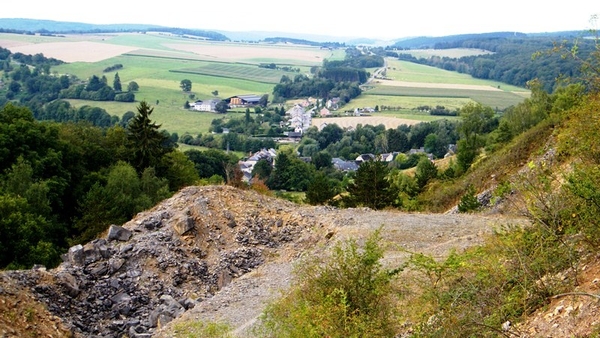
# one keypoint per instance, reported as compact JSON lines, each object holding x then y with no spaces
{"x":158,"y":83}
{"x":413,"y":72}
{"x":238,"y":71}
{"x":368,"y":99}
{"x":495,"y":99}
{"x":173,"y":119}
{"x":411,"y":114}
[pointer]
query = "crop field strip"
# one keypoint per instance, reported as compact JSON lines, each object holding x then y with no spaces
{"x":499,"y":99}
{"x":237,"y":71}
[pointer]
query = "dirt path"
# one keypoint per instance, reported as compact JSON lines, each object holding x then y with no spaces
{"x":240,"y":303}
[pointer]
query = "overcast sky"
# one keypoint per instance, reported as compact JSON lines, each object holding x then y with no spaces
{"x":372,"y":19}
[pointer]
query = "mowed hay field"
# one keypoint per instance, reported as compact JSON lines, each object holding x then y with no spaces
{"x":353,"y":121}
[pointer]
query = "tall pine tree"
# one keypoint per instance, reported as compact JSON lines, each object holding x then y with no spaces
{"x":371,"y":187}
{"x":147,"y":142}
{"x":117,"y":83}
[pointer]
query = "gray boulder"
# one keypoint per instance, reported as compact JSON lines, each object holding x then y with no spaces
{"x":118,"y":233}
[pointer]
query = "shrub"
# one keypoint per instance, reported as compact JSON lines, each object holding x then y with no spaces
{"x":346,"y":295}
{"x":468,"y":201}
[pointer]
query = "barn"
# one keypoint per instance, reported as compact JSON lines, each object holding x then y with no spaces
{"x":243,"y":100}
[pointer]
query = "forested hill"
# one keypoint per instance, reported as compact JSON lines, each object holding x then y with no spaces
{"x":515,"y":58}
{"x":438,"y":42}
{"x":31,"y":26}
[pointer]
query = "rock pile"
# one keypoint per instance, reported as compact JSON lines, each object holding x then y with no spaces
{"x":147,"y":272}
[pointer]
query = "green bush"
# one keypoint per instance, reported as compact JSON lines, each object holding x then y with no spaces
{"x":468,"y":201}
{"x":346,"y":295}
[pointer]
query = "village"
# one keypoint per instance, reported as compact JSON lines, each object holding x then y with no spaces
{"x":297,"y":120}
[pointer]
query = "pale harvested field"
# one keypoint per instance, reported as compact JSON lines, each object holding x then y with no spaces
{"x":353,"y":121}
{"x":436,"y":85}
{"x":82,"y":51}
{"x":10,"y":44}
{"x":237,"y":52}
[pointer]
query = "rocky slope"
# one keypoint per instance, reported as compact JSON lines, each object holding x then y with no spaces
{"x":208,"y":253}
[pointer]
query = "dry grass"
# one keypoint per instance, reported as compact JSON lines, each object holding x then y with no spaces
{"x":223,"y":51}
{"x":436,"y":85}
{"x":353,"y":121}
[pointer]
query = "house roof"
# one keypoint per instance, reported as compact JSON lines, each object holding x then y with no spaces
{"x":365,"y":157}
{"x":210,"y":101}
{"x":340,"y":164}
{"x":250,"y":98}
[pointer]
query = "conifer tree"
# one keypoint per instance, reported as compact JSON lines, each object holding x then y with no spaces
{"x":117,"y":83}
{"x":147,"y":142}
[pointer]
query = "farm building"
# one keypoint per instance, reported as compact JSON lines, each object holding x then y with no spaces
{"x":208,"y":105}
{"x":243,"y":100}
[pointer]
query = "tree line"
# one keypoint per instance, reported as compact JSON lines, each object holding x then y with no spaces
{"x":31,"y":83}
{"x":64,"y":183}
{"x":514,"y":60}
{"x":333,"y":79}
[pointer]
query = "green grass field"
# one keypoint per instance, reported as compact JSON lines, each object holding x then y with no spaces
{"x":404,"y":102}
{"x":433,"y":87}
{"x":413,"y":72}
{"x":237,"y":71}
{"x":494,"y":99}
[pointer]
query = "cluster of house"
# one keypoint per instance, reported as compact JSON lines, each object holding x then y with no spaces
{"x":246,"y":166}
{"x":299,"y":118}
{"x":233,"y":102}
{"x":269,"y":155}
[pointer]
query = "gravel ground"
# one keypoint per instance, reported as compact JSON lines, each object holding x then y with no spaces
{"x":240,"y":303}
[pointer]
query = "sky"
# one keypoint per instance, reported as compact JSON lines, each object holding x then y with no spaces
{"x":376,"y":19}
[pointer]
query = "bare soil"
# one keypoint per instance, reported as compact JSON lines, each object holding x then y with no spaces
{"x":83,"y":51}
{"x":239,"y":301}
{"x":222,"y":51}
{"x":239,"y":304}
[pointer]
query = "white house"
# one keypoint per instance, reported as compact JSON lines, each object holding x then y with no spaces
{"x":299,"y":119}
{"x":208,"y":105}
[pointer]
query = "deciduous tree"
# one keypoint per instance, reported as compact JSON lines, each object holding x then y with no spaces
{"x":133,"y":86}
{"x":186,"y":85}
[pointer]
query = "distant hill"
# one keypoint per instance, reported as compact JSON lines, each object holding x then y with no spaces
{"x":424,"y":42}
{"x":60,"y":27}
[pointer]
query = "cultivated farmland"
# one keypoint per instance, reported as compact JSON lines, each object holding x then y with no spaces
{"x":236,"y":71}
{"x":353,"y":121}
{"x":158,"y":62}
{"x":409,"y":85}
